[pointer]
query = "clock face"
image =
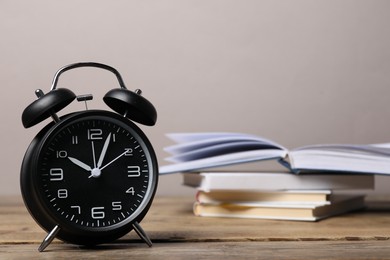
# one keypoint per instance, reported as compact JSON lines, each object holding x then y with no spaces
{"x":94,"y":172}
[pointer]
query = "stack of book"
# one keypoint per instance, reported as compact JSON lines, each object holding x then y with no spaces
{"x":312,"y":187}
{"x":308,"y":197}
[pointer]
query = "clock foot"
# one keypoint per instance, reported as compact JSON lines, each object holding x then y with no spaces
{"x":141,"y":233}
{"x":49,"y":238}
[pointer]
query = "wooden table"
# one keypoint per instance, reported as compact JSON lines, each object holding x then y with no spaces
{"x":178,"y":234}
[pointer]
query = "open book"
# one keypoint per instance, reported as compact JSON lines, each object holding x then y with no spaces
{"x":198,"y":151}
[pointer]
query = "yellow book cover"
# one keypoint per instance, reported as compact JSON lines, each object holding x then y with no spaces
{"x":342,"y":204}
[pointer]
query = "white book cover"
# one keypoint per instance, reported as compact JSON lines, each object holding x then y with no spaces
{"x":271,"y":181}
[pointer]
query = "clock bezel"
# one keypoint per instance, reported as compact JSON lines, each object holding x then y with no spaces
{"x":42,"y":213}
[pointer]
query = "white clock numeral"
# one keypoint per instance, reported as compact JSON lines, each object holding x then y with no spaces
{"x":62,"y":193}
{"x":133,"y":171}
{"x":95,"y":134}
{"x":75,"y":139}
{"x":98,"y":213}
{"x":128,"y":152}
{"x":76,"y":207}
{"x":130,"y":190}
{"x":117,"y":205}
{"x":57,"y":174}
{"x":61,"y":154}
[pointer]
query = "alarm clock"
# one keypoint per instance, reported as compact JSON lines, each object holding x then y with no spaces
{"x":89,"y":177}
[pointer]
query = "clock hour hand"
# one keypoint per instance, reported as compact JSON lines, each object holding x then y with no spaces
{"x":80,"y":164}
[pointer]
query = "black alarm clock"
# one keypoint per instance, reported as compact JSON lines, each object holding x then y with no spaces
{"x":89,"y":177}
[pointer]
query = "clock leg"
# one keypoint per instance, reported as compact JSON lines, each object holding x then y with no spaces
{"x":141,"y":233}
{"x":49,"y":238}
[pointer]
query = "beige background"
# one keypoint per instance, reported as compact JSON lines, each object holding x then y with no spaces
{"x":297,"y":72}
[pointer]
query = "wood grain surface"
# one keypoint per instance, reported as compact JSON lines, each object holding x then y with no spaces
{"x":177,"y":234}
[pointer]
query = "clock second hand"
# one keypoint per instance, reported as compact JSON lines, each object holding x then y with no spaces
{"x":119,"y":156}
{"x":97,"y":171}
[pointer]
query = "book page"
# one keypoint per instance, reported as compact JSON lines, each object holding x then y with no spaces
{"x":222,"y":160}
{"x":369,"y":149}
{"x":194,"y":151}
{"x":187,"y":142}
{"x":219,"y":149}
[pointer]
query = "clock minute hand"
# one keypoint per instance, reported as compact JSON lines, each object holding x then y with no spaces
{"x":104,"y":150}
{"x":80,"y":164}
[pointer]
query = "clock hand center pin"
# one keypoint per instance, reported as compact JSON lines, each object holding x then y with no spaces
{"x":96,"y":172}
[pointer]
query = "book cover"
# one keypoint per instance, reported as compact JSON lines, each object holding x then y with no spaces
{"x":272,"y":197}
{"x":280,"y":212}
{"x":271,"y":181}
{"x":198,"y":151}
